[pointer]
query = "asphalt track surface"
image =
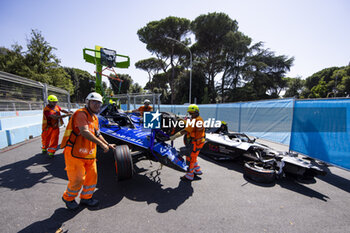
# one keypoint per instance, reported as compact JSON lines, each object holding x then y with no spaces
{"x":156,"y":200}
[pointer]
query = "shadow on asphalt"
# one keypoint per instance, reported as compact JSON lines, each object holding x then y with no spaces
{"x":53,"y":223}
{"x":336,"y":180}
{"x":289,"y":183}
{"x":142,"y":188}
{"x":17,"y":176}
{"x":145,"y":186}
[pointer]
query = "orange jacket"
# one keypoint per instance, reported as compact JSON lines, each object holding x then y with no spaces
{"x":81,"y":147}
{"x":51,"y":122}
{"x":196,"y":134}
{"x":143,"y":109}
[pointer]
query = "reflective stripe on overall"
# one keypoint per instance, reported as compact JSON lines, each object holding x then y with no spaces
{"x":197,"y":142}
{"x":81,"y":173}
{"x":50,"y":130}
{"x":80,"y":163}
{"x":193,"y":152}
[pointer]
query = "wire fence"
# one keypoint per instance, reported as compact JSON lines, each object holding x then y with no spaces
{"x":134,"y":100}
{"x":18,"y":93}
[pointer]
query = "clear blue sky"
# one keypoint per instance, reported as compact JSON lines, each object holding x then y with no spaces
{"x":315,"y":32}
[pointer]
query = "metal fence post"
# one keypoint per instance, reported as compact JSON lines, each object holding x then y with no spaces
{"x":128,"y":101}
{"x":154,"y":100}
{"x":45,"y":94}
{"x":291,"y":128}
{"x":134,"y":102}
{"x":69,"y":104}
{"x":239,"y":117}
{"x":159,"y":102}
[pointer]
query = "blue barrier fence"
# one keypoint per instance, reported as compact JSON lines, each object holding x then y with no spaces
{"x":270,"y":119}
{"x":18,"y":126}
{"x":317,"y":128}
{"x":321,"y":130}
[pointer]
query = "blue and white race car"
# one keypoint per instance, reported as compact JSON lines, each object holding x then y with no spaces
{"x":134,"y":142}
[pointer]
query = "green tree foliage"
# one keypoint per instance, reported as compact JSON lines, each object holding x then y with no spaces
{"x":151,"y":66}
{"x":236,"y":49}
{"x":160,"y":81}
{"x":182,"y":83}
{"x":220,"y":49}
{"x":83,"y":83}
{"x":12,"y":60}
{"x":319,"y":91}
{"x":244,"y":93}
{"x":120,"y":87}
{"x":212,"y":31}
{"x":169,"y":52}
{"x":43,"y":63}
{"x":40,"y":57}
{"x":329,"y":82}
{"x":266,"y":71}
{"x":38,"y":63}
{"x":160,"y":84}
{"x":294,"y":87}
{"x":124,"y":87}
{"x":136,"y":88}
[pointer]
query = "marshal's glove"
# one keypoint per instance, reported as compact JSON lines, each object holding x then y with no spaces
{"x":173,"y":137}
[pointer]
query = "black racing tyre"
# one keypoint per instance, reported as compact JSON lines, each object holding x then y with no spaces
{"x":256,"y":172}
{"x":123,"y":162}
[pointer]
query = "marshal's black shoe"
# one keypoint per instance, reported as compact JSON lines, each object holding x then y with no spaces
{"x":72,"y":205}
{"x":89,"y":202}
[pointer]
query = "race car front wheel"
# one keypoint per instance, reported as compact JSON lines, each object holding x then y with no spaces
{"x":257,"y":172}
{"x":123,"y":162}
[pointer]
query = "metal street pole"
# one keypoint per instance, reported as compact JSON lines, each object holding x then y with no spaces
{"x":190,"y":91}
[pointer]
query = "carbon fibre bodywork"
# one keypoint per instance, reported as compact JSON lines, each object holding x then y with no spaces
{"x":230,"y":145}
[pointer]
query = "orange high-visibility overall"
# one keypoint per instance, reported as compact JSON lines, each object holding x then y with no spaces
{"x":50,"y":129}
{"x":80,"y":157}
{"x":143,"y":109}
{"x":197,"y":136}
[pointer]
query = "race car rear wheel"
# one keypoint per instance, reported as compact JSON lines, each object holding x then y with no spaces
{"x":123,"y":162}
{"x":257,"y":172}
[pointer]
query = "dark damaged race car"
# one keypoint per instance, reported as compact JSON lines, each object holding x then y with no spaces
{"x":262,"y":163}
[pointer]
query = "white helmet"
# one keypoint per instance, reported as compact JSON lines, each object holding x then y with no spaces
{"x":147,"y":101}
{"x":94,"y":96}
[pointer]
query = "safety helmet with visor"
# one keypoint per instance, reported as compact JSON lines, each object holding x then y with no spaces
{"x":193,"y":108}
{"x":94,"y":96}
{"x":52,"y":98}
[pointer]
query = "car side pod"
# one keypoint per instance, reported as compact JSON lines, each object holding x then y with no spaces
{"x":124,"y":166}
{"x":257,"y":172}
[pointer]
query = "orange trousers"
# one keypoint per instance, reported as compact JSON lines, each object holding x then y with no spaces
{"x":193,"y":152}
{"x":81,"y":173}
{"x":49,"y":139}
